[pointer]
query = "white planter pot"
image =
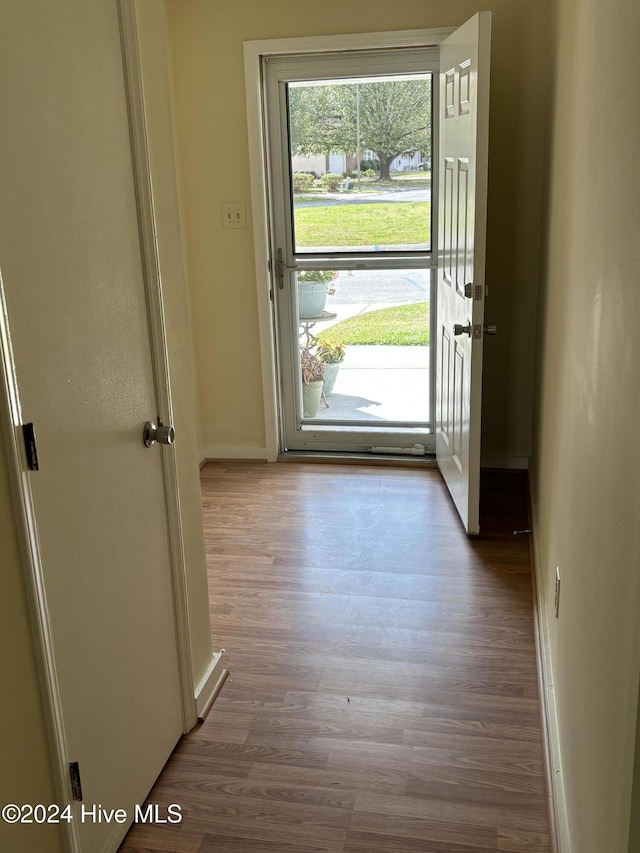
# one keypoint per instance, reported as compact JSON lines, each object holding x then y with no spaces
{"x":311,"y":395}
{"x":312,"y":297}
{"x":330,"y":376}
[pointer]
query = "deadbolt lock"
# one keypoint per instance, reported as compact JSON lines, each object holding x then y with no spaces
{"x":477,"y":330}
{"x":462,"y":330}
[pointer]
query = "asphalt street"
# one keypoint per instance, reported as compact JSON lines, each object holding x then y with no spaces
{"x":398,"y":195}
{"x":371,"y":286}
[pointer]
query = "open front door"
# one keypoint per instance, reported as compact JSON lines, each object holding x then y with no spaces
{"x":464,"y":125}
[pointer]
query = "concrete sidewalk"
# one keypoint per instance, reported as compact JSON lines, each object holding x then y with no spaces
{"x":377,"y":383}
{"x":380,"y":383}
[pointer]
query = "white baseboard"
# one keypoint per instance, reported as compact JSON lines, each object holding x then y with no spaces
{"x":209,"y":681}
{"x":562,"y":840}
{"x":502,"y":460}
{"x":225,"y":451}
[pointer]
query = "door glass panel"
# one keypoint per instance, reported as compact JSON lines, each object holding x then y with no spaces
{"x":364,"y":346}
{"x":360,"y":161}
{"x":351,"y":150}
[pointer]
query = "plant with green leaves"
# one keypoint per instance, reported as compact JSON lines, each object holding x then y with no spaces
{"x":324,"y":277}
{"x":331,"y":182}
{"x":330,"y":353}
{"x":302,"y":182}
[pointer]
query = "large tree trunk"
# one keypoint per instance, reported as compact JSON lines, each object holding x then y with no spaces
{"x":385,"y":164}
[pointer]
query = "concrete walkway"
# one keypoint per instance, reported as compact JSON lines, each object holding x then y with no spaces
{"x":377,"y":383}
{"x":380,"y":383}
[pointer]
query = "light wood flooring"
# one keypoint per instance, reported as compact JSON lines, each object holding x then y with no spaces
{"x":383,"y":693}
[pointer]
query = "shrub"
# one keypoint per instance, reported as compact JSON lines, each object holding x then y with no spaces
{"x":302,"y":182}
{"x":370,"y":164}
{"x":331,"y":182}
{"x":369,"y":173}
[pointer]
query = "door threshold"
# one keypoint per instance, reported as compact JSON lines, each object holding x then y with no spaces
{"x":346,"y":458}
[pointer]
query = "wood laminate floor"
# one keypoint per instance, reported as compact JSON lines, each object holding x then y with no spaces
{"x":383,"y":692}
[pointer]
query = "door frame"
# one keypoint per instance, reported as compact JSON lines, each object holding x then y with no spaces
{"x":19,"y":476}
{"x":255,"y":52}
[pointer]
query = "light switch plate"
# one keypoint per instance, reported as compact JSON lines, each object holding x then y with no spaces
{"x":234,"y":215}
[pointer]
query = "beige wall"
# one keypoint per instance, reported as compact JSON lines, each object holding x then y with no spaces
{"x":206,"y":40}
{"x":25,"y":773}
{"x":586,"y":482}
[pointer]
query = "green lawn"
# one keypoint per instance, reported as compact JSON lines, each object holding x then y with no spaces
{"x":385,"y":224}
{"x":402,"y":325}
{"x":414,"y":179}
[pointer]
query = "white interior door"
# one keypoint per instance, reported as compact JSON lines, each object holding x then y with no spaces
{"x":463,"y":154}
{"x":71,"y":264}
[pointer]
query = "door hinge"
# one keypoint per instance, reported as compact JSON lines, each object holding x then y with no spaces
{"x":29,"y":435}
{"x":76,"y":784}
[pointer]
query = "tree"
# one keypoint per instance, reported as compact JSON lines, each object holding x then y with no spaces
{"x":320,"y":120}
{"x":395,"y":119}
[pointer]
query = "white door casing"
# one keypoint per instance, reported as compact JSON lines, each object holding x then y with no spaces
{"x":70,"y":254}
{"x":463,"y":159}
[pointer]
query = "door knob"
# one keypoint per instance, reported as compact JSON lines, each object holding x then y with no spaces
{"x":491,"y":329}
{"x":160,"y":433}
{"x":462,"y":330}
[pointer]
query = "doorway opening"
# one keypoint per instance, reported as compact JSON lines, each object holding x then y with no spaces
{"x":351,"y":143}
{"x":460,"y":58}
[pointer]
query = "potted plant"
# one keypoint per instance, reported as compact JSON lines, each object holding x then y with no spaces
{"x":313,"y":287}
{"x":312,"y":369}
{"x":332,"y":356}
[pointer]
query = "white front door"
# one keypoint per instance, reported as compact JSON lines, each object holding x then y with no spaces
{"x":463,"y":153}
{"x":71,"y":265}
